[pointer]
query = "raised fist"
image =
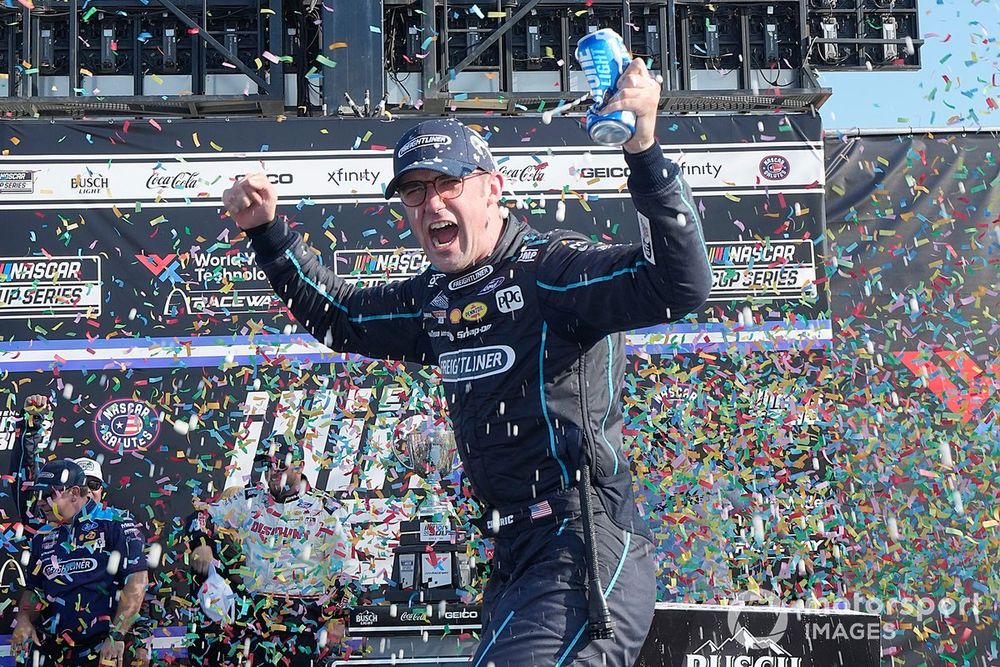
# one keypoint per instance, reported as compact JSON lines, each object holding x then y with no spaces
{"x":251,"y":202}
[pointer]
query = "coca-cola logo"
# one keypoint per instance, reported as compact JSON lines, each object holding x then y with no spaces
{"x":531,"y":173}
{"x":414,"y":616}
{"x":179,"y":181}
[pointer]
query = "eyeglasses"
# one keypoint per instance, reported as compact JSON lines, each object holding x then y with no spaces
{"x":95,"y":485}
{"x":48,"y":492}
{"x":413,"y":193}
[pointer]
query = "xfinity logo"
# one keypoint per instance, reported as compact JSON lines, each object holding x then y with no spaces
{"x":475,"y":363}
{"x":436,"y":140}
{"x":368,"y":176}
{"x":470,"y":278}
{"x":510,"y":299}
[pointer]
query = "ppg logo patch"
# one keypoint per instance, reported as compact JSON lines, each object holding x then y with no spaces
{"x":126,"y":425}
{"x":510,"y":299}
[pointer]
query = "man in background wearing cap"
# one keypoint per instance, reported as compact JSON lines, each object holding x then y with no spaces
{"x":528,"y":331}
{"x":138,"y":639}
{"x":34,"y":429}
{"x":295,"y":549}
{"x":85,"y":577}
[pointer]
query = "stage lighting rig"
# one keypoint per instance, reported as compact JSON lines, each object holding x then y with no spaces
{"x":858,"y":35}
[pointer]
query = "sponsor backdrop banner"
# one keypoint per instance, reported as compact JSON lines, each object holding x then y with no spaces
{"x":129,"y":297}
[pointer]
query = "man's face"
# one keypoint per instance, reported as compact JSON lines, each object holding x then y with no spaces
{"x":456,"y":233}
{"x":60,"y":505}
{"x":95,"y":490}
{"x":283,"y":478}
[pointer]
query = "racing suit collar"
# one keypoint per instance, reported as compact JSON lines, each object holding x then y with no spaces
{"x":507,"y":244}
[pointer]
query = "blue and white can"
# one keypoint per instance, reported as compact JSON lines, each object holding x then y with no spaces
{"x":603,"y":57}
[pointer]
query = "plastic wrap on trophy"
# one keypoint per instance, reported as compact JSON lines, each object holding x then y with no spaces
{"x":428,"y":449}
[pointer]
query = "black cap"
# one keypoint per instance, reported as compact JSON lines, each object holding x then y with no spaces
{"x":444,"y":145}
{"x":60,"y":474}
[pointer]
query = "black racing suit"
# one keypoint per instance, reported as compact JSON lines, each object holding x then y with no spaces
{"x":531,"y":350}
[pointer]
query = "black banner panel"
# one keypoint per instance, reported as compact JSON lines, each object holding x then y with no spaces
{"x":129,"y":297}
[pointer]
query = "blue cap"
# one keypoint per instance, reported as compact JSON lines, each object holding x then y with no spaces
{"x":444,"y":145}
{"x":60,"y":475}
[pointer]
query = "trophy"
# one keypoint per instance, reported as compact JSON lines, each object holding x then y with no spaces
{"x":430,"y":559}
{"x":428,"y":449}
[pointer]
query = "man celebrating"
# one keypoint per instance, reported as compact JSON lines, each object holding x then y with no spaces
{"x":527,"y":331}
{"x":85,"y":578}
{"x":295,"y":548}
{"x":137,"y":642}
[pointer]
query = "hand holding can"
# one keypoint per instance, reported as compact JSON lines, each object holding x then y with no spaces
{"x":604,"y":58}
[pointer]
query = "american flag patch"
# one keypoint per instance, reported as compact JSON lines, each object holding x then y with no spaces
{"x":539,"y":510}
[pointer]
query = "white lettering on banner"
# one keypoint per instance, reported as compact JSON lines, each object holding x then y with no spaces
{"x":413,"y":617}
{"x":377,"y":267}
{"x":366,"y":618}
{"x":8,"y":429}
{"x":741,"y":661}
{"x":50,"y":287}
{"x":470,"y":614}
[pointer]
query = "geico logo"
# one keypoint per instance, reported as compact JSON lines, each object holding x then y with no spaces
{"x":465,"y":613}
{"x":604,"y":172}
{"x":274,"y":179}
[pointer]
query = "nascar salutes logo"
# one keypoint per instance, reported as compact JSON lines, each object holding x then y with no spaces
{"x":775,"y":167}
{"x":126,"y":425}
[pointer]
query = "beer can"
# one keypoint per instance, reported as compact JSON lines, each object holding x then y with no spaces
{"x":603,"y":57}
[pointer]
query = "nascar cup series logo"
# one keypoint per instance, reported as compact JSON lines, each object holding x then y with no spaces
{"x":126,"y":425}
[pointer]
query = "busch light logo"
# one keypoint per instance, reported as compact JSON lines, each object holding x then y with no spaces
{"x":366,"y":618}
{"x":126,"y":425}
{"x":734,"y":653}
{"x":476,"y":362}
{"x":775,"y":167}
